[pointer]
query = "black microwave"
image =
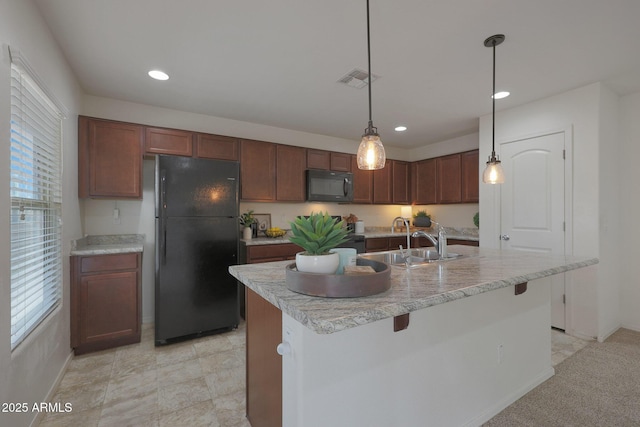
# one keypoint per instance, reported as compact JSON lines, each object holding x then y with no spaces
{"x":328,"y":186}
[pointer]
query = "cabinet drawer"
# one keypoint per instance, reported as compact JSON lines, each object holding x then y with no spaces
{"x":377,"y":244}
{"x":114,"y":262}
{"x":265,"y":253}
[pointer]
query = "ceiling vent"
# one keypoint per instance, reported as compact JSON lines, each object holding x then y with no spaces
{"x":357,"y":78}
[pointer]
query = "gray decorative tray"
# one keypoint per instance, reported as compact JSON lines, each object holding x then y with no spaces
{"x":340,"y":285}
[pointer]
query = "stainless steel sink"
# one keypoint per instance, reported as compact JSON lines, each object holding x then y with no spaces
{"x":412,"y":258}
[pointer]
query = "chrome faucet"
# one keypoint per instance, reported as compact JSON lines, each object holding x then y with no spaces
{"x":440,"y":243}
{"x":406,"y":224}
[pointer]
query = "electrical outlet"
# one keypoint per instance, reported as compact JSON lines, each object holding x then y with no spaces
{"x":116,"y":216}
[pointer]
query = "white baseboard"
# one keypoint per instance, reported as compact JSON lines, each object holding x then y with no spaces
{"x":52,"y":391}
{"x":494,"y":410}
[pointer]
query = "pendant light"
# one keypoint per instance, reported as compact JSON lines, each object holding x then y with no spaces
{"x":493,"y":174}
{"x":371,"y":153}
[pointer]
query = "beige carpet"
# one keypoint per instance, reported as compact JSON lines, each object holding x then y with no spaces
{"x":597,"y":386}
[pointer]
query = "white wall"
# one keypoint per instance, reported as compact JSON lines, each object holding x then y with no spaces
{"x":29,"y":373}
{"x":590,"y":112}
{"x":629,"y":207}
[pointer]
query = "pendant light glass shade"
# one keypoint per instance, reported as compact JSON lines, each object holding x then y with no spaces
{"x":493,"y":174}
{"x":371,"y":155}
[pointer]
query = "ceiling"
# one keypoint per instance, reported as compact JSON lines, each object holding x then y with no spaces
{"x":278,"y":62}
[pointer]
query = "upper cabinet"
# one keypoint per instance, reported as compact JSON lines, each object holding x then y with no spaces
{"x":290,"y":173}
{"x":362,"y":183}
{"x":168,"y":141}
{"x":216,"y":147}
{"x":109,"y":159}
{"x":257,"y":171}
{"x":328,"y":160}
{"x":423,"y":182}
{"x":382,"y":185}
{"x":448,"y":179}
{"x":400,"y":182}
{"x":470,"y":176}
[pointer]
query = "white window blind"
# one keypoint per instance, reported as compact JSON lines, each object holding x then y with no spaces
{"x":36,"y":204}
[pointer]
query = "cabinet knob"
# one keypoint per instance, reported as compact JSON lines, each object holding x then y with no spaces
{"x":284,"y":349}
{"x":505,"y":237}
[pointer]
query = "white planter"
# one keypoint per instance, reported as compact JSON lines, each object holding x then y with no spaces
{"x":247,"y":233}
{"x":326,"y":264}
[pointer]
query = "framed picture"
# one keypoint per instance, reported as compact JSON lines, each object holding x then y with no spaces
{"x":263,"y":222}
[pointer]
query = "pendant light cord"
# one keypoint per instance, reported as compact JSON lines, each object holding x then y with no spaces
{"x":493,"y":97}
{"x":369,"y":65}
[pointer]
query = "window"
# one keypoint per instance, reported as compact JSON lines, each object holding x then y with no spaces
{"x":36,"y":203}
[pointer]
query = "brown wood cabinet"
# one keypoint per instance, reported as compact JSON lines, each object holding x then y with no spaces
{"x":268,"y":253}
{"x":168,"y":141}
{"x":290,"y":173}
{"x":382,"y":184}
{"x":109,"y":159}
{"x":470,"y":176}
{"x":257,"y":171}
{"x":423,"y":182}
{"x":318,"y":159}
{"x":264,"y":364}
{"x":448,"y":181}
{"x":340,"y":162}
{"x":216,"y":147}
{"x":401,"y":182}
{"x":362,"y":183}
{"x":106,"y":308}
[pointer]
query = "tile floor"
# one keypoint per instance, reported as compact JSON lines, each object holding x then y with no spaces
{"x":195,"y":383}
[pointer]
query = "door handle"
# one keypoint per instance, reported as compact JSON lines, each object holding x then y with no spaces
{"x":505,"y":237}
{"x":345,"y":187}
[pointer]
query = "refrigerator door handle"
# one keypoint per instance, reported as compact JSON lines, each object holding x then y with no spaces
{"x":163,"y":217}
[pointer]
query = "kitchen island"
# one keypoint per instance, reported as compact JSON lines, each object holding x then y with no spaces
{"x":477,"y":339}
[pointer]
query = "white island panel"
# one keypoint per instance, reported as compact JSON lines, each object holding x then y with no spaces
{"x":457,"y":364}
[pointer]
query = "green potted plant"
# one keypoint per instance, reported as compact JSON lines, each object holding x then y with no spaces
{"x":317,"y":234}
{"x":246,"y":220}
{"x":421,"y":219}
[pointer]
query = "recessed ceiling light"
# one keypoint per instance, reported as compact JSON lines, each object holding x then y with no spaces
{"x":158,"y":75}
{"x":500,"y":95}
{"x":400,"y":128}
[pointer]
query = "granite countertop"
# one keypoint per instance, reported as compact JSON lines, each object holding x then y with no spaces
{"x":478,"y":270}
{"x":108,"y":244}
{"x":373,"y":232}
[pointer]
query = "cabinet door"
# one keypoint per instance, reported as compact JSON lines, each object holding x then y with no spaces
{"x":377,"y":244}
{"x":108,"y":306}
{"x":424,"y":182}
{"x":216,"y":147}
{"x":470,"y":177}
{"x":318,"y":159}
{"x":382,"y":185}
{"x":362,"y":183}
{"x":109,"y":159}
{"x":290,"y":179}
{"x":257,"y":171}
{"x":168,"y":141}
{"x":401,"y":182}
{"x":340,"y":162}
{"x":448,"y":180}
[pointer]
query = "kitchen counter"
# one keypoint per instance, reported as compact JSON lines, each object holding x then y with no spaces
{"x":373,"y":232}
{"x":108,"y":244}
{"x":478,"y":270}
{"x":450,"y":343}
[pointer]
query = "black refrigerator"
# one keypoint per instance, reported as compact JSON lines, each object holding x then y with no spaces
{"x":196,"y":242}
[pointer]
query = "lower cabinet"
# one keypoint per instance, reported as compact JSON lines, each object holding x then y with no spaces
{"x":380,"y":244}
{"x":268,"y":253}
{"x":106,"y":308}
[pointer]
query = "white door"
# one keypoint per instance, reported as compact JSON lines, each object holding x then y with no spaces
{"x":532,"y":203}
